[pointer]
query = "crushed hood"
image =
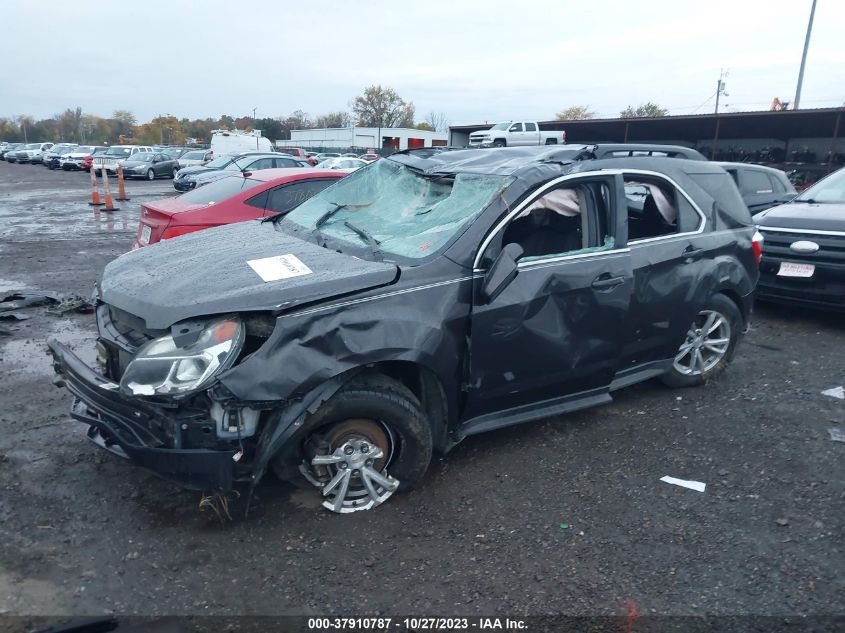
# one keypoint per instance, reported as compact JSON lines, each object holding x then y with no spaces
{"x":825,"y":216}
{"x":207,"y":273}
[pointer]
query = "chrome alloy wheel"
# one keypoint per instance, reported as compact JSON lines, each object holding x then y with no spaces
{"x":355,"y":467}
{"x":706,"y":344}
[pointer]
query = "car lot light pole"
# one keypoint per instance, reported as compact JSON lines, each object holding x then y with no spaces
{"x":804,"y":57}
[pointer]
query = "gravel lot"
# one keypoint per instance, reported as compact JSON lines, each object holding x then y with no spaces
{"x":83,"y":533}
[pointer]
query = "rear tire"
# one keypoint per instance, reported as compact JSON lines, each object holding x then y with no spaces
{"x":713,"y":335}
{"x":174,"y":172}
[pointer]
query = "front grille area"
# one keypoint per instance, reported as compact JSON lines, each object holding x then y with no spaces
{"x":776,"y":245}
{"x":826,"y":286}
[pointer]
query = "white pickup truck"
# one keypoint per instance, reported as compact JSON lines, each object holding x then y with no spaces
{"x":516,"y":134}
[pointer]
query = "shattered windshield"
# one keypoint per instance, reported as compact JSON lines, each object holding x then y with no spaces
{"x":408,"y":214}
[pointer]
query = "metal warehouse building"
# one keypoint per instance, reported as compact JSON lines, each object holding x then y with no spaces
{"x":813,"y":138}
{"x":394,"y":138}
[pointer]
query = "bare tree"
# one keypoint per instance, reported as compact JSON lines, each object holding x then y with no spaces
{"x":437,"y":121}
{"x":382,"y":107}
{"x":576,"y":113}
{"x":333,"y":119}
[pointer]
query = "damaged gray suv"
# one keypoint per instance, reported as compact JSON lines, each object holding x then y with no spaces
{"x":422,"y":299}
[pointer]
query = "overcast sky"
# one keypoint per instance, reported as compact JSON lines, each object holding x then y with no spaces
{"x":473,"y":60}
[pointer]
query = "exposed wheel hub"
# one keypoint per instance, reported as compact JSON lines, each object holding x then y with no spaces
{"x":354,"y":463}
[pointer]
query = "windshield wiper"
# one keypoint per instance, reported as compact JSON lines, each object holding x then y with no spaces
{"x":323,"y":218}
{"x":368,"y":237}
{"x":807,"y":200}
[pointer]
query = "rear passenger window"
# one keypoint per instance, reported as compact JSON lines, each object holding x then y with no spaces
{"x":777,"y":185}
{"x":259,"y":201}
{"x":285,"y":198}
{"x":530,"y":127}
{"x":756,"y":182}
{"x":655,"y":209}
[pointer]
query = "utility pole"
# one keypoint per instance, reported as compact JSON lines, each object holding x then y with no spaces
{"x":720,"y":88}
{"x":804,"y":57}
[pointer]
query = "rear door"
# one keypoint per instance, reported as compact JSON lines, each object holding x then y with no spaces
{"x":670,"y":260}
{"x":555,"y":330}
{"x":532,"y":134}
{"x":758,"y":189}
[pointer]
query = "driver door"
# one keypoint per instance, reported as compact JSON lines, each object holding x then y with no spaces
{"x":555,"y":331}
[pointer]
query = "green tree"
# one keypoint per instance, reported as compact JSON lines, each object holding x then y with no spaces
{"x":271,"y":128}
{"x":382,"y":107}
{"x":644,"y":110}
{"x":124,"y":121}
{"x":425,"y":125}
{"x":575,"y":113}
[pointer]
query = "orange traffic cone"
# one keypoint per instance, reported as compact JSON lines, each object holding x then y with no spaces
{"x":121,"y":189}
{"x":95,"y":194}
{"x":109,"y":202}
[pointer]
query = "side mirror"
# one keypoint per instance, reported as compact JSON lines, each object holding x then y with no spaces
{"x":501,"y":272}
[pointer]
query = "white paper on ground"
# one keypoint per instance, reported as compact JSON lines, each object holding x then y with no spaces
{"x":279,"y":267}
{"x":692,"y":485}
{"x":836,"y":392}
{"x":837,"y":434}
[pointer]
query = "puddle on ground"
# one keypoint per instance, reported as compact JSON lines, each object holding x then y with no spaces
{"x":8,"y":285}
{"x":30,"y":355}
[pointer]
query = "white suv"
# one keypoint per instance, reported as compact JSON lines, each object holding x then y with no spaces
{"x":116,"y":154}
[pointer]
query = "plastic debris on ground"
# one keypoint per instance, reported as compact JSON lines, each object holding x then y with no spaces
{"x":684,"y":483}
{"x":836,"y":392}
{"x":837,"y":433}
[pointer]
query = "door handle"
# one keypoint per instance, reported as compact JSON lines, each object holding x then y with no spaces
{"x":604,"y":282}
{"x":691,"y":254}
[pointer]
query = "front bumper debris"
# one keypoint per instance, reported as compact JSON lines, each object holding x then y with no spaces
{"x":125,"y":426}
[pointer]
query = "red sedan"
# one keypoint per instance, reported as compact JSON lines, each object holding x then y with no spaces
{"x":232,"y":199}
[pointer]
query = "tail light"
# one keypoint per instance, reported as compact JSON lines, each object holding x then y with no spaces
{"x":757,"y":246}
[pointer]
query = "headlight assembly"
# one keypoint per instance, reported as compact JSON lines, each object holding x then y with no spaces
{"x":162,"y":368}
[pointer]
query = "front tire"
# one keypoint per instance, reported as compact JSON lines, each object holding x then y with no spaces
{"x":367,"y":441}
{"x":709,"y":346}
{"x":151,"y":175}
{"x":500,"y":143}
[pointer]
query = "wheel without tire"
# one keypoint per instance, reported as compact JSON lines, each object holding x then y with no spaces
{"x":369,"y":440}
{"x":709,"y":345}
{"x":151,"y":175}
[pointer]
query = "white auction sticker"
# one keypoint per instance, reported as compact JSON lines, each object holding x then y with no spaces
{"x":279,"y":267}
